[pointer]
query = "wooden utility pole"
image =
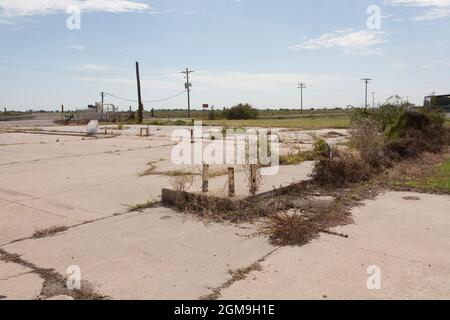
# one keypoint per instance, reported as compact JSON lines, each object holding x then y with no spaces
{"x":188,"y":86}
{"x":366,"y":80}
{"x":141,"y":106}
{"x":301,"y":86}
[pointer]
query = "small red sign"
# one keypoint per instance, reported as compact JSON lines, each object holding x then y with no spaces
{"x":205,"y":106}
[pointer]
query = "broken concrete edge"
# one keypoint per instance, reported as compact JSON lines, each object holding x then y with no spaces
{"x":182,"y":198}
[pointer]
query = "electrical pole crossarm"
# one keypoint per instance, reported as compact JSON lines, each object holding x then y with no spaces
{"x":188,"y":86}
{"x":366,"y":80}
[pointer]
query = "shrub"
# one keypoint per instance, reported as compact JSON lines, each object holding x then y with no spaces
{"x":180,"y":123}
{"x":321,"y":148}
{"x":366,"y":138}
{"x":289,"y":230}
{"x":241,"y":112}
{"x":341,"y":170}
{"x":383,"y":117}
{"x":388,"y":114}
{"x":215,"y":114}
{"x":407,"y":133}
{"x":416,"y":132}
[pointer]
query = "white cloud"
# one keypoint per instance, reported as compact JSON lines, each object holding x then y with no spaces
{"x":419,"y":3}
{"x":42,"y":7}
{"x":433,"y":14}
{"x":76,"y":47}
{"x":352,"y":42}
{"x":435,"y":9}
{"x":92,"y":67}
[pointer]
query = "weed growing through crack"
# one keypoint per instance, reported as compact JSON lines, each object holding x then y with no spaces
{"x":142,"y":206}
{"x":49,"y":232}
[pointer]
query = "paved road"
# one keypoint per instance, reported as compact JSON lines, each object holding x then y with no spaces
{"x":39,"y":121}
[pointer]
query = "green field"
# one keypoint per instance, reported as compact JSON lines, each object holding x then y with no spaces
{"x":306,"y":122}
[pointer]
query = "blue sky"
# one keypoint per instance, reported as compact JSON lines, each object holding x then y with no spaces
{"x":252,"y":51}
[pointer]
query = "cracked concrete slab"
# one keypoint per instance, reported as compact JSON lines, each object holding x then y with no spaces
{"x":17,"y":221}
{"x":160,"y":254}
{"x":410,"y":245}
{"x":157,"y":254}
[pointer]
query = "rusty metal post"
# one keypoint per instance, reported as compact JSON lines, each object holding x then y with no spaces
{"x":253,"y":182}
{"x":231,"y":188}
{"x":205,"y":175}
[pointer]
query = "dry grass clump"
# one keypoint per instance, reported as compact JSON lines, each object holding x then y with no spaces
{"x":142,"y":206}
{"x":181,"y":181}
{"x":293,"y":229}
{"x":366,"y":138}
{"x":49,"y":232}
{"x":345,"y":168}
{"x":289,"y":230}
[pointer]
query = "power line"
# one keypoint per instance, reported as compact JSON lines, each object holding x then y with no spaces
{"x":148,"y":101}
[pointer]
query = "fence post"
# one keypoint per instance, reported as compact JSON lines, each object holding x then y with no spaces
{"x":231,"y":188}
{"x":253,"y":182}
{"x":192,"y":136}
{"x":205,"y":183}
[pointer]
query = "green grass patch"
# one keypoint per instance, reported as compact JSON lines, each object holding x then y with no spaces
{"x":306,"y":122}
{"x":438,"y":181}
{"x":298,"y":157}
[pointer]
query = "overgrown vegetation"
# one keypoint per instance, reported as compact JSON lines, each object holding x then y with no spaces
{"x":344,"y":168}
{"x":383,"y":137}
{"x":382,"y":140}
